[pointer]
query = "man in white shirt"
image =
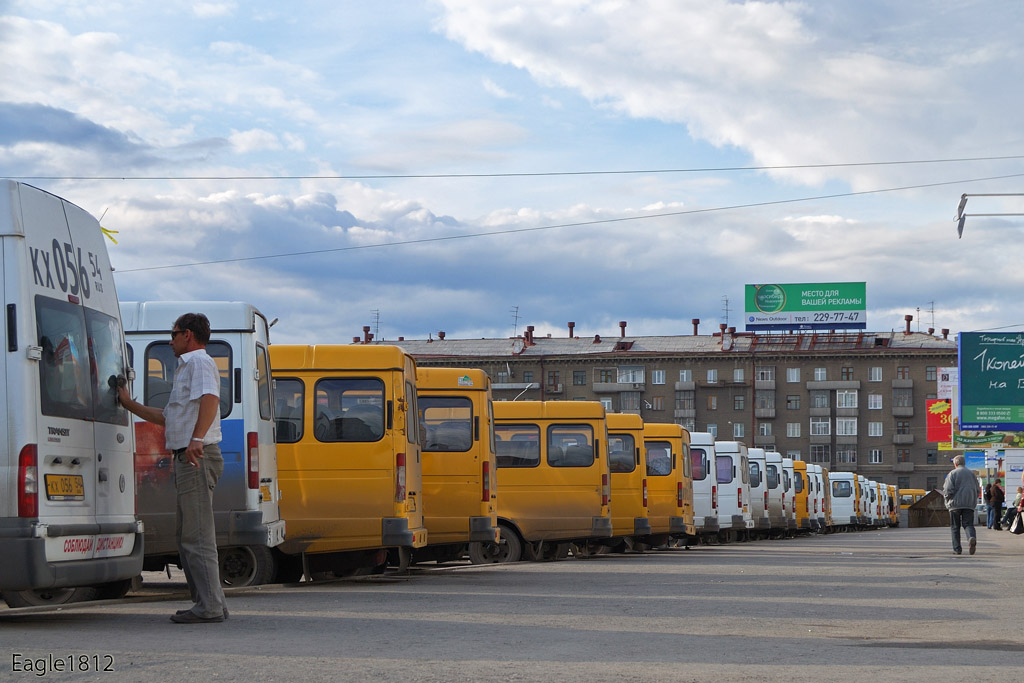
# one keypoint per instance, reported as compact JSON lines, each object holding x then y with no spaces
{"x":191,"y":421}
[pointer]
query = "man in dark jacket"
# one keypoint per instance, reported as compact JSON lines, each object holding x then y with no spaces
{"x":997,"y":497}
{"x":960,"y":491}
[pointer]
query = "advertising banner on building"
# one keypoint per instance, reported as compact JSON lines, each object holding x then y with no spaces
{"x":817,"y":306}
{"x":991,"y":381}
{"x":938,"y":420}
{"x":948,"y":380}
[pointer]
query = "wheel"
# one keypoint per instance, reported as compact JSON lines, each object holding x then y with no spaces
{"x":545,"y":551}
{"x":289,"y":568}
{"x":116,"y":590}
{"x":507,"y":549}
{"x":246,"y":565}
{"x":41,"y":597}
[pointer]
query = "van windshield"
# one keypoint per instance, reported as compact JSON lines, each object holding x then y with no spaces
{"x":621,"y":452}
{"x":699,"y":463}
{"x":82,"y":357}
{"x":448,"y":421}
{"x":659,"y":458}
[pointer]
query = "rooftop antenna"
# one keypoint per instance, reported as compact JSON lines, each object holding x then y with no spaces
{"x":376,"y":324}
{"x":918,"y":318}
{"x":515,"y":320}
{"x":725,"y":309}
{"x":931,"y":310}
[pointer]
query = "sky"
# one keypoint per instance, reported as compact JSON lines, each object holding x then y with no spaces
{"x":476,"y":166}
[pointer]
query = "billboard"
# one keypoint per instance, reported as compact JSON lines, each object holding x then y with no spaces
{"x":817,"y":306}
{"x":938,"y":426}
{"x":991,"y":381}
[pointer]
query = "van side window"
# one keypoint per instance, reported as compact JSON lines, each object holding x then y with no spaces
{"x":412,"y":421}
{"x":687,"y":466}
{"x":570,"y":446}
{"x":621,"y":452}
{"x":842,"y":489}
{"x":517,"y":445}
{"x":723,"y":469}
{"x":787,"y":482}
{"x":81,"y":354}
{"x":349,"y":410}
{"x":771,"y":476}
{"x":160,"y":367}
{"x":659,"y":458}
{"x":798,"y":481}
{"x":755,"y":474}
{"x":699,"y":463}
{"x":448,"y":422}
{"x":263,"y":385}
{"x":290,"y":397}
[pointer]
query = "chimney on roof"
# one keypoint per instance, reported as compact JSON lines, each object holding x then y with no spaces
{"x":696,"y":322}
{"x":732,"y":330}
{"x":622,"y":328}
{"x":945,"y":333}
{"x":440,"y":335}
{"x":369,"y":338}
{"x":931,"y":330}
{"x":529,"y":334}
{"x":571,"y":326}
{"x":355,"y":340}
{"x":366,"y":334}
{"x":597,"y":339}
{"x":908,"y":318}
{"x":722,"y":326}
{"x":401,"y":339}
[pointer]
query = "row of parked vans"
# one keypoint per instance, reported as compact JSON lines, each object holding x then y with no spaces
{"x":338,"y":459}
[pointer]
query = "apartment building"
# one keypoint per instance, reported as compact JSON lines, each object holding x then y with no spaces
{"x":849,"y":401}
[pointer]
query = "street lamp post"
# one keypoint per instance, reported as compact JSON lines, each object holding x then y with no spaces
{"x":961,"y":216}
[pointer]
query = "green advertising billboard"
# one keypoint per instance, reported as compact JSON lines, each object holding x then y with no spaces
{"x":991,"y":381}
{"x":815,"y":306}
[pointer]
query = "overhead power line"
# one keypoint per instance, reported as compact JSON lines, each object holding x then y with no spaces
{"x":418,"y":176}
{"x":603,"y":221}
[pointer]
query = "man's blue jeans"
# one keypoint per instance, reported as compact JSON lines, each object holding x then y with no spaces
{"x":961,"y":518}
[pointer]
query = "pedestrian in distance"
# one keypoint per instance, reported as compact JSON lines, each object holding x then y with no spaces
{"x":1013,"y":508}
{"x":960,"y":491}
{"x":997,"y":496}
{"x":192,"y":433}
{"x":987,"y":499}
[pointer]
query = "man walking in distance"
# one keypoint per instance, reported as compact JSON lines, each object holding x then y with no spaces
{"x":961,"y":490}
{"x":192,"y":433}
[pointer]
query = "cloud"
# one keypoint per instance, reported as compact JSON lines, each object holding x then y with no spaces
{"x":494,"y":89}
{"x":254,"y":140}
{"x":209,"y":10}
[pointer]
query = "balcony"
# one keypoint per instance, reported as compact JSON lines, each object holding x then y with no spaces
{"x":833,"y":385}
{"x":846,"y":440}
{"x":846,"y":412}
{"x":617,"y":387}
{"x":513,"y":386}
{"x":765,"y":413}
{"x":764,"y":384}
{"x":821,"y":438}
{"x":686,"y":386}
{"x":764,"y":440}
{"x":902,"y":439}
{"x":820,"y":412}
{"x":903,"y":384}
{"x":903,"y":467}
{"x":685,"y":412}
{"x":552,"y":388}
{"x":903,"y":411}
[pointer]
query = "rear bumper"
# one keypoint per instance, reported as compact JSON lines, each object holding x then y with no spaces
{"x":395,"y":533}
{"x":24,"y":566}
{"x":482,"y":529}
{"x":641,"y":526}
{"x":707,"y":525}
{"x":246,"y":527}
{"x":601,"y":527}
{"x":763,"y":523}
{"x":677,"y":525}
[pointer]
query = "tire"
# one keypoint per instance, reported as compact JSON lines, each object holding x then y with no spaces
{"x":116,"y":590}
{"x":41,"y":597}
{"x":246,"y":565}
{"x":508,"y":549}
{"x":289,"y":568}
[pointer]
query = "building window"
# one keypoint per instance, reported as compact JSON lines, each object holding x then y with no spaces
{"x":764,"y":428}
{"x":793,"y":455}
{"x":712,"y":376}
{"x":902,"y":455}
{"x":874,"y":401}
{"x":685,"y":401}
{"x":738,"y":402}
{"x":657,"y":376}
{"x":931,"y":483}
{"x":631,"y":374}
{"x":686,"y":375}
{"x":874,"y":429}
{"x":657,"y":403}
{"x":764,"y":373}
{"x":579,"y":377}
{"x":629,"y":400}
{"x":846,"y":374}
{"x":713,"y":430}
{"x":876,"y":456}
{"x":875,"y":375}
{"x":554,"y":377}
{"x":930,"y":373}
{"x":737,"y":430}
{"x":605,"y":375}
{"x":737,"y":374}
{"x":931,"y":457}
{"x":712,"y":403}
{"x":821,"y":426}
{"x":903,"y":482}
{"x":793,"y":430}
{"x":764,"y":398}
{"x":820,"y":375}
{"x":792,"y":374}
{"x":527,"y":376}
{"x":821,"y":453}
{"x":902,"y":398}
{"x":606,"y":401}
{"x":793,"y":402}
{"x":846,"y":426}
{"x":819,"y":399}
{"x":902,"y":426}
{"x":903,"y":372}
{"x":689,"y":424}
{"x":846,"y":456}
{"x":846,"y":399}
{"x":502,"y":377}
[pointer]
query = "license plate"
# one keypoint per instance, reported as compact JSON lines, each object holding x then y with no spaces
{"x":65,"y":487}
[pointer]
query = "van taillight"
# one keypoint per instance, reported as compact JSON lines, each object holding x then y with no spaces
{"x":485,"y":495}
{"x":739,"y":496}
{"x":679,"y":494}
{"x":644,"y":491}
{"x":714,"y":497}
{"x":606,"y":493}
{"x":252,"y":441}
{"x":399,"y":477}
{"x":28,"y":482}
{"x":815,"y":506}
{"x":765,"y":500}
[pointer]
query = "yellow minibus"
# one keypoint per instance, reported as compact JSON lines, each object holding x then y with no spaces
{"x":458,"y":460}
{"x":800,"y":490}
{"x":629,"y":479}
{"x":348,"y":454}
{"x":669,"y":482}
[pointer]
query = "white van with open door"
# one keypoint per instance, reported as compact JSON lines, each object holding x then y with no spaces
{"x":246,"y":499}
{"x":68,"y":529}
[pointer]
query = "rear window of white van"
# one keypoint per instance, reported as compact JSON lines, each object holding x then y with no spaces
{"x":842,"y":489}
{"x":723,"y":469}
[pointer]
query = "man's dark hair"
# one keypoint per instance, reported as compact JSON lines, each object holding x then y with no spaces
{"x":198,"y":324}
